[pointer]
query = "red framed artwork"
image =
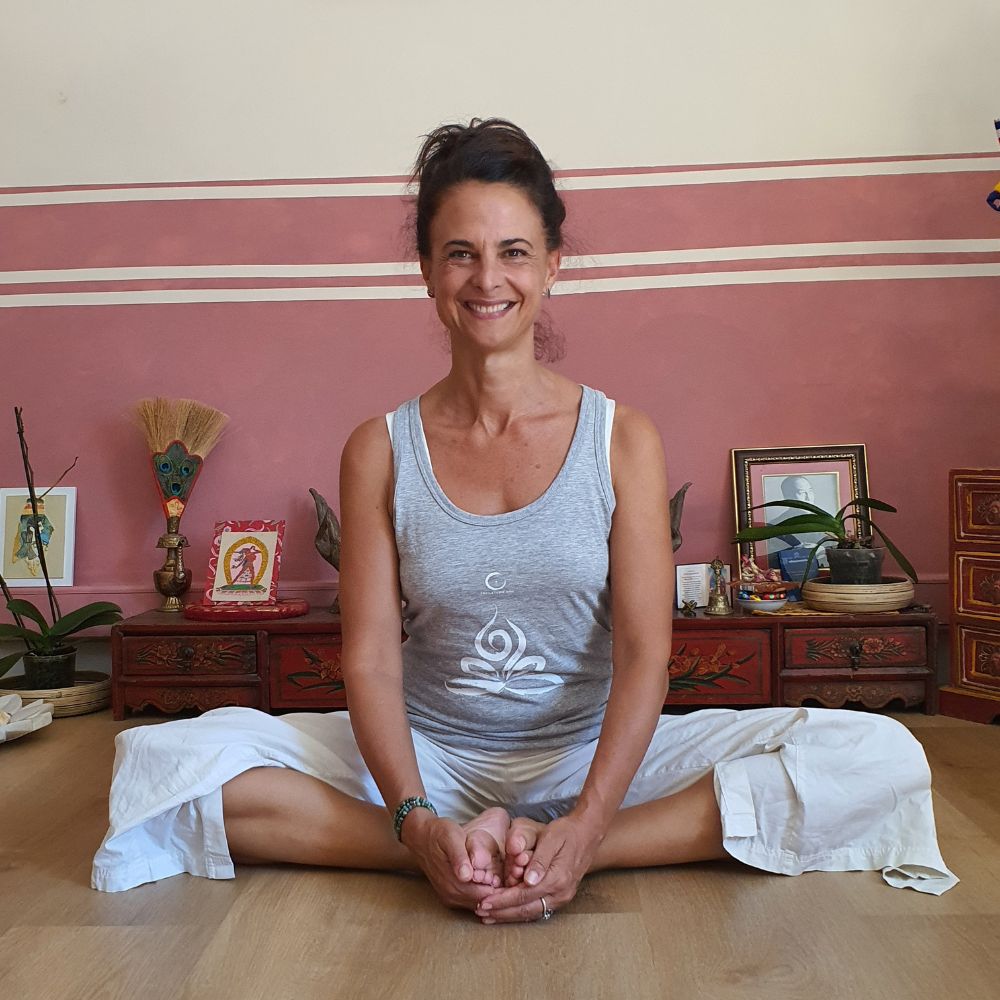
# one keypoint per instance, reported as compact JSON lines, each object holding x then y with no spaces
{"x":244,"y":562}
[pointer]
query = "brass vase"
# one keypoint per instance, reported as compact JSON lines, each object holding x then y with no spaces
{"x":172,"y":580}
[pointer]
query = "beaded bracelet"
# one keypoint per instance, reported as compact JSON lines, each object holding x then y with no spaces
{"x":405,"y":808}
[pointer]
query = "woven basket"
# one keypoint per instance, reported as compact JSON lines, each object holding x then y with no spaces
{"x":891,"y":594}
{"x":90,"y":693}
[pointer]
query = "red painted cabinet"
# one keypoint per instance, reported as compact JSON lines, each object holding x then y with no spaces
{"x":165,"y":662}
{"x":974,"y":691}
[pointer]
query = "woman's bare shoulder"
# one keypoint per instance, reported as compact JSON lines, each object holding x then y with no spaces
{"x":633,"y":434}
{"x":367,"y":455}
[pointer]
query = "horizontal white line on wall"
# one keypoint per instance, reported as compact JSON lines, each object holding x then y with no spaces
{"x":208,"y":192}
{"x":777,"y":251}
{"x":582,"y":287}
{"x":779,"y":172}
{"x":230,"y":272}
{"x":182,"y":295}
{"x":566,"y":182}
{"x":405,"y":268}
{"x":789,"y":275}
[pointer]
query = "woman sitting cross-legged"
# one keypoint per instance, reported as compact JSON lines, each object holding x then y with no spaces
{"x":514,"y":742}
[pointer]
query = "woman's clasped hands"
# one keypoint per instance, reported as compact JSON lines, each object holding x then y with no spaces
{"x":543,"y":866}
{"x":504,"y":871}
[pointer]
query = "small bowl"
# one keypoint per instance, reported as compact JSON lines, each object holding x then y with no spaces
{"x":761,"y":604}
{"x":757,"y":595}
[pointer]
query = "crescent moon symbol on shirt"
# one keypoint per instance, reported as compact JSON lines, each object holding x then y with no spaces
{"x":500,"y":586}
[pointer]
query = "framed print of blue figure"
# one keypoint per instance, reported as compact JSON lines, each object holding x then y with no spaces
{"x":56,"y":518}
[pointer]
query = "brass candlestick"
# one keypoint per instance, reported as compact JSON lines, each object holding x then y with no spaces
{"x":172,"y":580}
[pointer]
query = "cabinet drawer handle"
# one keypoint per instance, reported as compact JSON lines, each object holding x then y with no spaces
{"x":854,"y":651}
{"x":186,"y":654}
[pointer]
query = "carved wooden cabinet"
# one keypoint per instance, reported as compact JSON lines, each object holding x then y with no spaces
{"x":875,"y":660}
{"x":974,"y":691}
{"x":167,"y":662}
{"x":872,"y":662}
{"x":721,"y":661}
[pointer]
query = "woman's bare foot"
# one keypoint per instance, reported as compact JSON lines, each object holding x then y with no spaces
{"x":485,"y":838}
{"x":521,"y":839}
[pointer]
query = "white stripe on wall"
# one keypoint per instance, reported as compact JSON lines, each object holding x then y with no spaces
{"x":228,"y":272}
{"x":567,"y":182}
{"x":406,"y":268}
{"x":783,"y":276}
{"x":580,"y":287}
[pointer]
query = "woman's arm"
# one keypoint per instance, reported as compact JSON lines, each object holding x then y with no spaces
{"x":642,"y":594}
{"x":370,"y":605}
{"x":370,"y":614}
{"x":642,"y":602}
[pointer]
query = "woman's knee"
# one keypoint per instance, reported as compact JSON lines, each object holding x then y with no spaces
{"x":250,"y":795}
{"x":877,"y":743}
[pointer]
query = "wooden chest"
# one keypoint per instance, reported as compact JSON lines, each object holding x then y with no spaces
{"x":167,"y":662}
{"x":974,"y":691}
{"x":874,"y":660}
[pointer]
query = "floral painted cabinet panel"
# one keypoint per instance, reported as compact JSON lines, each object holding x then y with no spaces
{"x":190,"y":655}
{"x":723,"y":667}
{"x":305,"y":672}
{"x":165,"y":662}
{"x":855,"y":649}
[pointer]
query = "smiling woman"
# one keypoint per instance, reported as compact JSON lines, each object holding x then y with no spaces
{"x":488,"y":267}
{"x":456,"y":167}
{"x":515,"y":738}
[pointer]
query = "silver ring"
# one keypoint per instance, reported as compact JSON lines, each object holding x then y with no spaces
{"x":546,"y":912}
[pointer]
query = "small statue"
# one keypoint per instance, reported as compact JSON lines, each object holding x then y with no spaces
{"x":676,"y":509}
{"x":718,"y":601}
{"x":689,"y":609}
{"x":327,"y":538}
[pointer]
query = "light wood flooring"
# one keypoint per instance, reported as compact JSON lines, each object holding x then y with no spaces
{"x":716,"y":931}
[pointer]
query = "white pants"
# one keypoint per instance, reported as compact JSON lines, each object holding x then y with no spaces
{"x":798,"y":789}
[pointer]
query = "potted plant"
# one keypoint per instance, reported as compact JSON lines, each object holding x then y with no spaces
{"x":854,"y":559}
{"x":49,"y":656}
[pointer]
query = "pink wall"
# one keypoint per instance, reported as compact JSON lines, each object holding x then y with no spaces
{"x":906,"y":365}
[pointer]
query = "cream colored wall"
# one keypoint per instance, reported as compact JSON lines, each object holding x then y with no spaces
{"x":123,"y":90}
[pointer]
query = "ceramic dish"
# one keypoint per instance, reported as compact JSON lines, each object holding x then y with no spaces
{"x":761,"y":604}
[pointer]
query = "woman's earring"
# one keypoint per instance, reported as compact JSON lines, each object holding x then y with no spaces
{"x":430,"y":293}
{"x":548,"y":293}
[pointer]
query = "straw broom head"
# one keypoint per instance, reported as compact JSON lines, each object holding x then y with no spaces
{"x":196,"y":425}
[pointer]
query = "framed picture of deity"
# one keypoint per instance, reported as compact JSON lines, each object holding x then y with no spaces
{"x":243,"y":565}
{"x":20,"y":561}
{"x":828,"y":476}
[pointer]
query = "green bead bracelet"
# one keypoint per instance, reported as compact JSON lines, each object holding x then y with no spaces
{"x":405,"y":808}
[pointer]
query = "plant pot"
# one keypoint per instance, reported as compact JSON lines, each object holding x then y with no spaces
{"x":56,"y":670}
{"x":855,"y":565}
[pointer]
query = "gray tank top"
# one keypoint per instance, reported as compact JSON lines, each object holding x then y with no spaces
{"x":508,"y":615}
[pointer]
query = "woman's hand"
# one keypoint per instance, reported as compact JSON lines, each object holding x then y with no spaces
{"x":553,"y":857}
{"x":439,"y":847}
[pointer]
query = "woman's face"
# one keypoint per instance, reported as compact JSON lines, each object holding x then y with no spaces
{"x":488,"y":265}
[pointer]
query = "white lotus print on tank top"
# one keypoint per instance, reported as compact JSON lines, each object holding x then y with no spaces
{"x":502,"y":666}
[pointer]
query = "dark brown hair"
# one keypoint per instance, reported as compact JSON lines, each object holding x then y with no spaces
{"x":493,"y":151}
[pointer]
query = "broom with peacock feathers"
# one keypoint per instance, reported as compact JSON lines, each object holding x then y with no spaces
{"x":179,"y":434}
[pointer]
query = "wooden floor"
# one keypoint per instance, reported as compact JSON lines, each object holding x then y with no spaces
{"x":715,"y":931}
